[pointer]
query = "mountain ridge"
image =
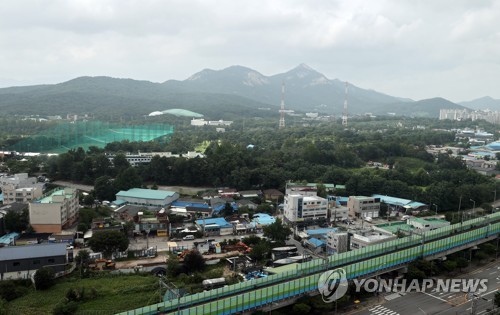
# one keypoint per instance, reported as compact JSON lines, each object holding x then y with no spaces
{"x":306,"y":90}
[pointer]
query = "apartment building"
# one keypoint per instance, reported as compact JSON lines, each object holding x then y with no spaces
{"x":55,"y":211}
{"x":20,"y":188}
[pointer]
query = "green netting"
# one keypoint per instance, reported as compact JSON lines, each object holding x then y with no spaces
{"x":85,"y":134}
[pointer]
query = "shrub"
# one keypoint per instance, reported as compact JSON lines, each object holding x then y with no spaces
{"x":68,"y":308}
{"x":44,"y":278}
{"x":12,"y":289}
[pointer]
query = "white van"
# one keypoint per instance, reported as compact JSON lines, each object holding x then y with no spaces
{"x":188,"y":237}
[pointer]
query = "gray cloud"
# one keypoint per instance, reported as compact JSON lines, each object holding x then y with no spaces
{"x":416,"y":49}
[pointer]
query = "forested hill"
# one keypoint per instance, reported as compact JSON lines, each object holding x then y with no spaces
{"x":110,"y":97}
{"x":223,"y":94}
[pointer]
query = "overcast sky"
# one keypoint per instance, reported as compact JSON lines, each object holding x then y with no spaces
{"x":407,"y":48}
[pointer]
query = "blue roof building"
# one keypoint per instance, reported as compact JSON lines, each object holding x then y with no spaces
{"x":214,"y":226}
{"x":260,"y":220}
{"x":320,"y":232}
{"x":315,"y":243}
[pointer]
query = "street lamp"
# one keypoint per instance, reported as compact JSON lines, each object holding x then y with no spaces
{"x":436,"y":208}
{"x":474,"y":206}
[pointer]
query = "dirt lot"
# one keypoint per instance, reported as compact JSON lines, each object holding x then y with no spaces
{"x":140,"y":262}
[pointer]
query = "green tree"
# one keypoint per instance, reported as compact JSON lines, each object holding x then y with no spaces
{"x":108,"y":242}
{"x":4,"y":307}
{"x":497,"y":299}
{"x":259,"y":251}
{"x":462,"y":263}
{"x":450,"y":265}
{"x":193,"y":261}
{"x":17,"y":221}
{"x":120,"y":163}
{"x":227,"y":211}
{"x":104,"y":188}
{"x":277,"y":231}
{"x":44,"y":278}
{"x":127,"y":179}
{"x":65,"y":308}
{"x":173,"y":266}
{"x":82,"y":258}
{"x":489,"y":249}
{"x":301,"y":309}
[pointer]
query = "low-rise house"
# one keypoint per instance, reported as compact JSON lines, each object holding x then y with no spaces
{"x":246,"y":203}
{"x":273,"y":195}
{"x":214,"y":226}
{"x":250,"y":193}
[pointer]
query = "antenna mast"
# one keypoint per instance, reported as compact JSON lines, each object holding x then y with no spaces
{"x":282,"y":109}
{"x":344,"y":115}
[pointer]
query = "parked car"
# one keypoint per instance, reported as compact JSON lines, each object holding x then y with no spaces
{"x":188,"y":238}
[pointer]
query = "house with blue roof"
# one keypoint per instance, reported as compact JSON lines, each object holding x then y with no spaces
{"x":214,"y":226}
{"x":315,"y":243}
{"x":261,"y":220}
{"x":148,"y":197}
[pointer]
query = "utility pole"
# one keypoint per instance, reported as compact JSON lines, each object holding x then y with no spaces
{"x":459,"y":207}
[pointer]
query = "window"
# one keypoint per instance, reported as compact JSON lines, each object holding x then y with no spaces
{"x":16,"y":264}
{"x":52,"y":260}
{"x":36,"y":262}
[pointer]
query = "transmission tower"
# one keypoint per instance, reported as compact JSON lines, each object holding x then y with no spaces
{"x":344,"y":114}
{"x":282,"y":109}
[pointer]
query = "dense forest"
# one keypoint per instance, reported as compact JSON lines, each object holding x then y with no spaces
{"x":264,"y":157}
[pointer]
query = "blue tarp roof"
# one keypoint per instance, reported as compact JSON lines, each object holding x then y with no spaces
{"x":218,"y":208}
{"x":392,"y":200}
{"x":316,"y":242}
{"x":1,"y":197}
{"x":321,"y":231}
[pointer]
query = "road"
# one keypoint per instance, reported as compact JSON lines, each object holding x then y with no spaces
{"x":432,"y":302}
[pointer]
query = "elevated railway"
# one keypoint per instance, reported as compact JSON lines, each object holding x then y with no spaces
{"x":365,"y":262}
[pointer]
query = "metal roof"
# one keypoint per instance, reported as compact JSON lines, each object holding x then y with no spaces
{"x":316,"y":242}
{"x":218,"y":221}
{"x":145,"y":193}
{"x":321,"y":231}
{"x":32,"y":251}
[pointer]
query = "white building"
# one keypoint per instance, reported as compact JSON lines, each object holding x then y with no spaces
{"x":337,"y":242}
{"x":20,"y":188}
{"x":361,"y":239}
{"x":339,"y":213}
{"x":304,"y":208}
{"x":54,"y":212}
{"x":427,"y":224}
{"x":364,"y":207}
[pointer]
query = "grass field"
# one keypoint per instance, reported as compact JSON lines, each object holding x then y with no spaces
{"x":114,"y":294}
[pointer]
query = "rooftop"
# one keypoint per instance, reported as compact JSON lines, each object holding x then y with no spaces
{"x":60,"y":192}
{"x":321,"y":231}
{"x":263,"y":218}
{"x":394,"y":227}
{"x":211,"y":221}
{"x":316,"y":242}
{"x":31,"y":251}
{"x":193,"y":204}
{"x":145,"y":193}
